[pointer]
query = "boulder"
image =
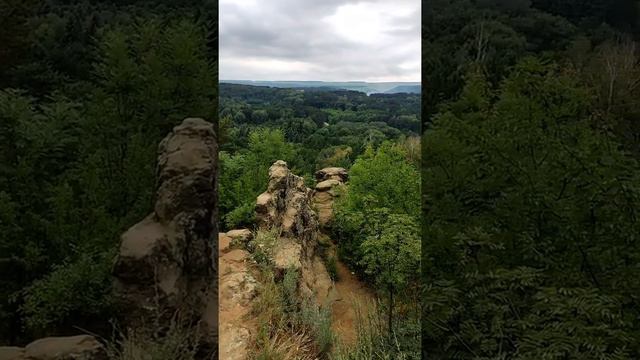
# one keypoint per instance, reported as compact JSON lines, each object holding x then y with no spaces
{"x":324,"y":195}
{"x":332,"y":173}
{"x":80,"y":347}
{"x":327,"y":185}
{"x":165,"y":264}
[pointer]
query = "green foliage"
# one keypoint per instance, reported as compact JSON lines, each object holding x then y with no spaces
{"x":376,"y":227}
{"x":290,"y":288}
{"x":332,"y":267}
{"x":76,"y":174}
{"x":379,"y":179}
{"x":391,"y":249}
{"x":382,"y":178}
{"x":328,"y":128}
{"x":264,"y":242}
{"x":530,"y":217}
{"x":243,"y":176}
{"x":291,"y":327}
{"x":318,"y":321}
{"x":78,"y":290}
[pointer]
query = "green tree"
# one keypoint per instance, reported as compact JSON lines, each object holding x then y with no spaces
{"x":529,"y":216}
{"x":243,"y":175}
{"x":391,"y":255}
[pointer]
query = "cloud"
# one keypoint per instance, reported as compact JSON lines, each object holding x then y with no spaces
{"x":330,"y":40}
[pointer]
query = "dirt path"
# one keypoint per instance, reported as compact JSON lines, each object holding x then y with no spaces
{"x":349,"y":292}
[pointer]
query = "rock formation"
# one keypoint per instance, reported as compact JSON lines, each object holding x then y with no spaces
{"x":237,"y":288}
{"x":165,"y":266}
{"x":287,"y":207}
{"x":328,"y":180}
{"x":81,"y":347}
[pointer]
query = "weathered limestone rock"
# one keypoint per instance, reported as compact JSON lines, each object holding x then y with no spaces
{"x":329,"y":179}
{"x":287,"y":206}
{"x":81,"y":347}
{"x":165,"y":265}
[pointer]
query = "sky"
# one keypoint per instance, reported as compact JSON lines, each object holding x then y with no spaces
{"x":327,"y":40}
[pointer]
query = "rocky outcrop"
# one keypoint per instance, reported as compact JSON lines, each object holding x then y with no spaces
{"x":237,"y":288}
{"x":165,"y":265}
{"x":287,"y":207}
{"x":328,"y":181}
{"x":81,"y":347}
{"x":332,"y":173}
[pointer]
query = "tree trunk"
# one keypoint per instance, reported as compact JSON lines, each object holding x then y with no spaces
{"x":390,"y":316}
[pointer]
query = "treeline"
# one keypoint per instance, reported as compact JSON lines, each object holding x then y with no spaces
{"x":87,"y":90}
{"x":530,"y":180}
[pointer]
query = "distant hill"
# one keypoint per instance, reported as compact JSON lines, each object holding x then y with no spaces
{"x":362,"y":86}
{"x":410,"y":89}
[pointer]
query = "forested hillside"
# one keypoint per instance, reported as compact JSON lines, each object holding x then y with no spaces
{"x":530,"y":179}
{"x":310,"y":129}
{"x":87,"y":91}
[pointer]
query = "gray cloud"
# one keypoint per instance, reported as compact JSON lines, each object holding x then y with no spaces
{"x":331,"y":40}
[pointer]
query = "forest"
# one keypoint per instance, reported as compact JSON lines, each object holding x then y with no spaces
{"x":87,"y":91}
{"x":310,"y":129}
{"x":530,"y":179}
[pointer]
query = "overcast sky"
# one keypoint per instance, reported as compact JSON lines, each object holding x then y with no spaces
{"x":330,"y":40}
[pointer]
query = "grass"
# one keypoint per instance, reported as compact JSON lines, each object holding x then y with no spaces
{"x":293,"y":329}
{"x":264,"y":242}
{"x":332,"y":267}
{"x":373,"y":340}
{"x":178,"y":343}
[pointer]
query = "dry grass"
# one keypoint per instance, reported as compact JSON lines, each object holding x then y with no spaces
{"x":284,"y":344}
{"x":290,"y":330}
{"x":178,"y":343}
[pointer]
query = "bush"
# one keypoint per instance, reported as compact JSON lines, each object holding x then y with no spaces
{"x":71,"y":293}
{"x":263,"y":243}
{"x":318,"y":321}
{"x":290,"y":289}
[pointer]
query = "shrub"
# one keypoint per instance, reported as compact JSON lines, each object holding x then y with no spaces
{"x":332,"y":267}
{"x":72,"y":292}
{"x":263,"y":244}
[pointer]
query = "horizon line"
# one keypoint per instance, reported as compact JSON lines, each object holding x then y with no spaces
{"x":326,"y":81}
